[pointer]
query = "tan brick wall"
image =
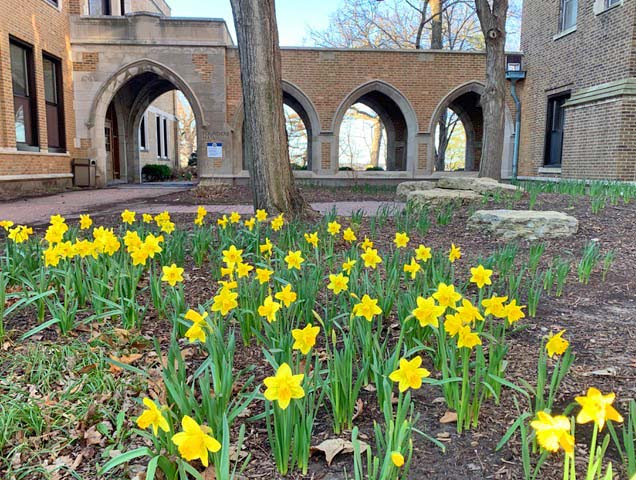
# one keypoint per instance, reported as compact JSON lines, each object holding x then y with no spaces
{"x":46,"y":28}
{"x":203,"y":66}
{"x":600,"y":50}
{"x":89,"y":62}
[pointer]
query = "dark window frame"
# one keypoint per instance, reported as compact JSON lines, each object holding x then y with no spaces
{"x":54,"y":3}
{"x":59,"y":105}
{"x":143,"y":137}
{"x":32,"y":98}
{"x":612,"y":3}
{"x":165,"y":137}
{"x":549,"y":120}
{"x":158,"y":132}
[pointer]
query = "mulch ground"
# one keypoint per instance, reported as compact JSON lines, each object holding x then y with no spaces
{"x":600,"y":318}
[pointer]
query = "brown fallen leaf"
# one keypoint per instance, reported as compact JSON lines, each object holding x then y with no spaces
{"x":359,"y":409}
{"x":92,"y":436}
{"x":448,"y":417}
{"x":335,"y":446}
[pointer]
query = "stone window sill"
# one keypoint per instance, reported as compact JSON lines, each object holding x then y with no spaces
{"x":550,"y":170}
{"x":564,"y":33}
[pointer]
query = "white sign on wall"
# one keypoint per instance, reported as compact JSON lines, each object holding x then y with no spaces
{"x":215,"y":150}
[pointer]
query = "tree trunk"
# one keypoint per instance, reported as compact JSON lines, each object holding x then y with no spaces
{"x":493,"y":101}
{"x":265,"y":142}
{"x":376,"y":141}
{"x":436,"y":24}
{"x":442,"y":144}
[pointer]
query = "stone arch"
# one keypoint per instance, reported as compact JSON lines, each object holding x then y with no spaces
{"x":150,"y":75}
{"x":397,"y":115}
{"x":462,"y":101}
{"x":295,"y":98}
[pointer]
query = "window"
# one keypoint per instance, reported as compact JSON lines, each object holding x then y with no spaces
{"x":569,"y":12}
{"x":165,"y":138}
{"x":554,"y":130}
{"x":24,"y":105}
{"x":158,"y":122}
{"x":99,"y":7}
{"x":122,"y":7}
{"x":55,"y":3}
{"x":52,"y":72}
{"x":143,"y":137}
{"x":611,"y":3}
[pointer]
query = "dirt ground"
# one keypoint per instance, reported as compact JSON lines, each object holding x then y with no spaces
{"x":600,"y":319}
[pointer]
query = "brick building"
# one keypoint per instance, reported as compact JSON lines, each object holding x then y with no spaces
{"x":579,"y":103}
{"x":101,"y":85}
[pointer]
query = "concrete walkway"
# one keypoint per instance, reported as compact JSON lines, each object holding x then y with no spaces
{"x":108,"y":201}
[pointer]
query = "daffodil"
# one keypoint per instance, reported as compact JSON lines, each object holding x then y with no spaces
{"x":225,"y":301}
{"x":514,"y":312}
{"x":6,"y":224}
{"x":128,"y":217}
{"x":401,"y":240}
{"x":261,"y":215}
{"x":312,"y":239}
{"x":56,"y":219}
{"x":235,"y":217}
{"x":556,"y":344}
{"x":455,"y":253}
{"x":269,"y":308}
{"x":294,"y":259}
{"x":367,"y":308}
{"x":468,"y":312}
{"x":348,"y":265}
{"x":172,"y":274}
{"x":366,"y":243}
{"x":349,"y":235}
{"x":422,"y":253}
{"x":333,"y":228}
{"x":286,"y":295}
{"x":232,"y":255}
{"x":495,"y":306}
{"x":266,"y":248}
{"x":452,"y":324}
{"x":152,"y":244}
{"x":278,"y":222}
{"x":284,"y":386}
{"x":553,"y":432}
{"x":398,"y":459}
{"x":467,"y":338}
{"x":371,"y":258}
{"x":305,"y":339}
{"x":85,"y":222}
{"x":195,"y":441}
{"x":409,"y":374}
{"x":338,"y":283}
{"x":197,"y":329}
{"x":222,"y":222}
{"x":597,"y":408}
{"x":427,"y":312}
{"x":412,"y":268}
{"x":249,"y":223}
{"x":146,"y":218}
{"x":243,"y":269}
{"x":152,"y":417}
{"x":480,"y":276}
{"x":446,"y":295}
{"x":263,"y":275}
{"x":20,"y":233}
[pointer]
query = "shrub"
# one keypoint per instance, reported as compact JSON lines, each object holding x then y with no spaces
{"x":156,"y":173}
{"x":374,"y":169}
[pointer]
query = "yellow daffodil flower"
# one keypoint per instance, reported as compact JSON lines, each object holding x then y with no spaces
{"x":235,"y":217}
{"x":371,"y":258}
{"x":556,"y":345}
{"x":349,"y":235}
{"x":261,"y":215}
{"x":412,"y":268}
{"x":294,"y":260}
{"x":266,"y":248}
{"x":467,"y":338}
{"x":514,"y":312}
{"x":232,"y":256}
{"x":146,"y":218}
{"x":333,"y":228}
{"x":480,"y":276}
{"x":172,"y":274}
{"x":553,"y":432}
{"x":284,"y":386}
{"x":597,"y":408}
{"x":225,"y":301}
{"x":455,"y":253}
{"x":446,"y":295}
{"x":398,"y":459}
{"x":409,"y":374}
{"x":263,"y":275}
{"x":348,"y":265}
{"x":338,"y":283}
{"x":427,"y":312}
{"x":367,"y":308}
{"x":312,"y":239}
{"x":85,"y":222}
{"x":495,"y":306}
{"x":286,"y":295}
{"x":195,"y":441}
{"x":128,"y":217}
{"x":250,"y":222}
{"x":401,"y":240}
{"x":278,"y":222}
{"x":152,"y":417}
{"x":269,"y":309}
{"x":305,"y":339}
{"x":422,"y":253}
{"x":366,"y":243}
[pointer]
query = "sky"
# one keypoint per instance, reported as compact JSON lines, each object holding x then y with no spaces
{"x":293,"y":19}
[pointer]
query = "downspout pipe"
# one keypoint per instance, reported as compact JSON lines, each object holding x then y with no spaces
{"x":515,"y":154}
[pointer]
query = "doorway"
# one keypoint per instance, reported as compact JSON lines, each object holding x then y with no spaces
{"x":112,"y":143}
{"x":554,"y":130}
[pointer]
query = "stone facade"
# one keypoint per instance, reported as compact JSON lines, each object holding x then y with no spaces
{"x":594,"y":63}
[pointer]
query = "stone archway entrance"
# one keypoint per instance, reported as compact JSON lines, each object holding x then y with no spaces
{"x":117,"y":112}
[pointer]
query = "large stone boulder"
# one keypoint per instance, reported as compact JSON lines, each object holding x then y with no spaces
{"x":479,"y":185}
{"x":404,"y":188}
{"x":526,"y":224}
{"x":438,"y":196}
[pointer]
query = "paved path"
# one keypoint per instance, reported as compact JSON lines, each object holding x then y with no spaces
{"x":33,"y":211}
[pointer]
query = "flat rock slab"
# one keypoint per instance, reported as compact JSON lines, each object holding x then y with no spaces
{"x":437,"y":196}
{"x":526,"y":224}
{"x":479,"y":185}
{"x":404,"y":188}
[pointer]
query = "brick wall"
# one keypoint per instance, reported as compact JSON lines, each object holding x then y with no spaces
{"x":46,"y":28}
{"x":600,"y":50}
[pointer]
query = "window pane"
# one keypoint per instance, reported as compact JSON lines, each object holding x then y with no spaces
{"x":19,"y":71}
{"x":570,"y":8}
{"x":158,"y":121}
{"x":20,"y":125}
{"x":50,"y":82}
{"x":165,"y":138}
